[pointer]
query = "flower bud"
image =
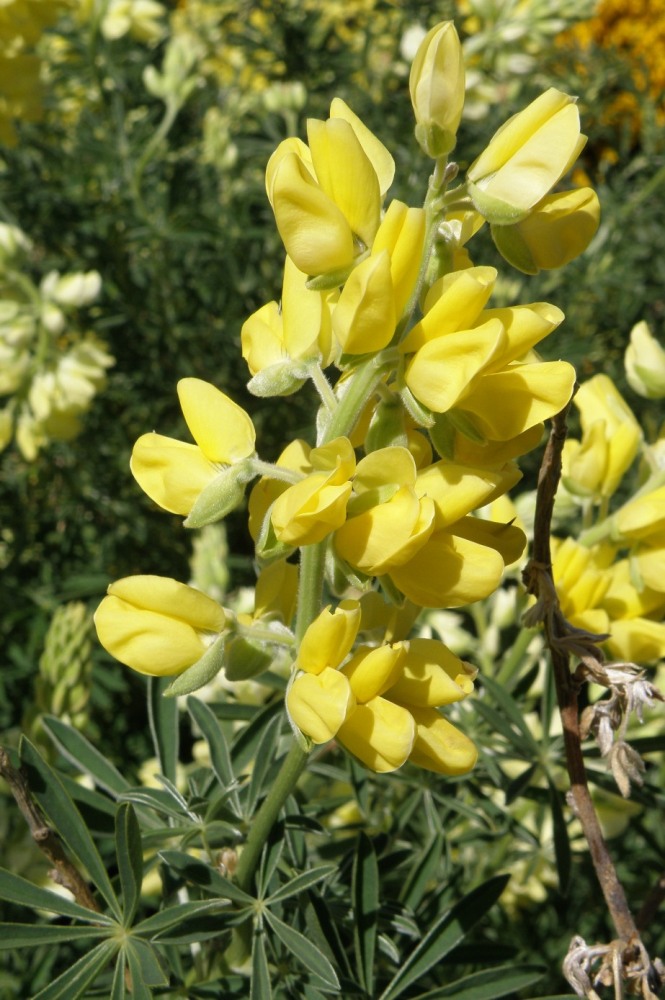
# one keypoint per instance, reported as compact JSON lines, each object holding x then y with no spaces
{"x":436,"y":85}
{"x":645,"y":363}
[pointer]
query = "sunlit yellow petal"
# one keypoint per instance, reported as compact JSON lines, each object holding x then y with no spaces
{"x":221,"y":428}
{"x":373,"y":671}
{"x":431,"y":675}
{"x":439,"y":746}
{"x":329,"y":638}
{"x":379,"y":733}
{"x":449,"y":572}
{"x":507,"y":403}
{"x":171,"y":472}
{"x":318,"y":704}
{"x":380,"y":158}
{"x":346,"y":175}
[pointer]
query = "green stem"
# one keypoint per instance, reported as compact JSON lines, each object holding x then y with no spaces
{"x":310,"y":586}
{"x":262,"y":823}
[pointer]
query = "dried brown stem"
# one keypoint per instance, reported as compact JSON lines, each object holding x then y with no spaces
{"x":64,"y":872}
{"x":562,"y":639}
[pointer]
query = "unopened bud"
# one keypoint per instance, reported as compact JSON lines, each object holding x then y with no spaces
{"x":436,"y":85}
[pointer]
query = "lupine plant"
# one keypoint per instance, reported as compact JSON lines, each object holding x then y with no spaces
{"x":429,"y":395}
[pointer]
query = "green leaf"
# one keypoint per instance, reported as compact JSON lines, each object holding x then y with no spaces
{"x":220,"y":757}
{"x":15,"y":889}
{"x":158,"y":799}
{"x":511,"y":711}
{"x":144,"y":965}
{"x":365,"y":896}
{"x":175,"y":915}
{"x":263,"y":761}
{"x":520,"y":783}
{"x":448,"y":931}
{"x":301,"y":882}
{"x":50,"y":793}
{"x":129,"y":852}
{"x":260,"y":988}
{"x":303,"y":949}
{"x":30,"y":935}
{"x":243,"y":750}
{"x":198,"y":872}
{"x":562,"y":851}
{"x":164,"y":726}
{"x":118,"y":991}
{"x":84,"y":756}
{"x":423,"y":869}
{"x":489,"y":984}
{"x":73,"y":983}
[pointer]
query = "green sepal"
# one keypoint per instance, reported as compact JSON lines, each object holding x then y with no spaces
{"x":465,"y":425}
{"x":496,"y":211}
{"x":221,"y":496}
{"x":434,"y":140}
{"x":513,"y":249}
{"x":281,"y":379}
{"x":422,"y":415}
{"x":268,"y":547}
{"x":245,"y":659}
{"x":331,"y":279}
{"x":442,"y":435}
{"x":387,"y":426}
{"x":202,"y":672}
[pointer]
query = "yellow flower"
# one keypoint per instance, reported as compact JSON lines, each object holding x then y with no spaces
{"x":431,"y":675}
{"x":436,"y":85}
{"x":645,"y":363}
{"x":402,"y":234}
{"x":175,"y":474}
{"x":528,"y":155}
{"x":478,"y":371}
{"x":581,"y":580}
{"x":329,"y":638}
{"x":327,"y":197}
{"x":309,"y":510}
{"x":299,"y":327}
{"x":294,"y":457}
{"x":364,"y":317}
{"x":611,"y":438}
{"x":439,"y":746}
{"x":559,"y":228}
{"x":156,"y":625}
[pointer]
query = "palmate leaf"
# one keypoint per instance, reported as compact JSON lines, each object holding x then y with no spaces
{"x":84,"y":756}
{"x":73,"y":983}
{"x":198,"y":872}
{"x":164,"y":726}
{"x":422,"y":872}
{"x":303,"y":949}
{"x":448,"y":931}
{"x":15,"y":889}
{"x":301,"y":882}
{"x":30,"y":935}
{"x":490,"y":984}
{"x":365,"y":894}
{"x":60,"y":809}
{"x":144,"y":966}
{"x":129,"y":853}
{"x":220,"y":758}
{"x":260,"y":988}
{"x":175,"y":916}
{"x":265,"y":757}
